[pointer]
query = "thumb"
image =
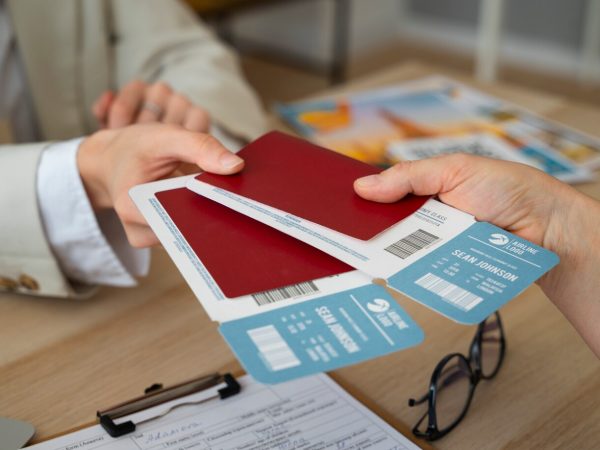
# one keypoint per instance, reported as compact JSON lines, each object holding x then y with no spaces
{"x":200,"y":149}
{"x":425,"y":177}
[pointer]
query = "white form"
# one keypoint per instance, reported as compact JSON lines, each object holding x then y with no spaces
{"x":308,"y":413}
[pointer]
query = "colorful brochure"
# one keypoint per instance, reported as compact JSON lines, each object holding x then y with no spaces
{"x":437,"y":115}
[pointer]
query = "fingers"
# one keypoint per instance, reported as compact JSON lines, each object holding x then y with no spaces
{"x":180,"y":111}
{"x":155,"y":103}
{"x":201,"y":149}
{"x":197,"y":119}
{"x":425,"y":177}
{"x":125,"y":107}
{"x":101,"y":107}
{"x":177,"y":108}
{"x":139,"y":102}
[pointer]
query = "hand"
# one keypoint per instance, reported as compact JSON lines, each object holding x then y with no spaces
{"x":111,"y":162}
{"x":140,"y":102}
{"x":512,"y":196}
{"x":524,"y":201}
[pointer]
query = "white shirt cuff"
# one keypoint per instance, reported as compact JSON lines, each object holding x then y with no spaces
{"x":90,"y":248}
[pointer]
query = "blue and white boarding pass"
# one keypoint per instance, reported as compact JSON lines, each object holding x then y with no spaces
{"x":288,"y":332}
{"x":474,"y":274}
{"x":420,"y":256}
{"x":321,"y":334}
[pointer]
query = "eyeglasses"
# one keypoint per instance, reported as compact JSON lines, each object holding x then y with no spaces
{"x":455,"y":378}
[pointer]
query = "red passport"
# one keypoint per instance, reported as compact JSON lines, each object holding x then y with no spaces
{"x":243,"y":255}
{"x":314,"y":183}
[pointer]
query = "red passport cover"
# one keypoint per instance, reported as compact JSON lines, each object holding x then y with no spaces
{"x":314,"y":183}
{"x":243,"y":255}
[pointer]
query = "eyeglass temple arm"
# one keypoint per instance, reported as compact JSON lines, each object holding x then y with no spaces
{"x":450,"y":379}
{"x":413,"y":402}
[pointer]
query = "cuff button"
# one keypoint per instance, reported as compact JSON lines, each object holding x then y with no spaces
{"x":29,"y":283}
{"x":8,"y":284}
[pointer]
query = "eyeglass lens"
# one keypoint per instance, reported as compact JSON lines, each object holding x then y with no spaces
{"x":491,"y":346}
{"x":453,"y":387}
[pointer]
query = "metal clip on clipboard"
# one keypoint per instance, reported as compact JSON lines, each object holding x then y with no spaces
{"x":156,"y":395}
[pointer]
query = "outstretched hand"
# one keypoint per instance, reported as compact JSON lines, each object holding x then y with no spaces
{"x":111,"y":162}
{"x":524,"y":201}
{"x":510,"y":195}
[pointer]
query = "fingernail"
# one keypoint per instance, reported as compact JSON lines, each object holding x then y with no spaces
{"x":369,"y":181}
{"x":229,"y":160}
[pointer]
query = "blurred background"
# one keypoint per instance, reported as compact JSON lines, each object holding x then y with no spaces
{"x":291,"y":48}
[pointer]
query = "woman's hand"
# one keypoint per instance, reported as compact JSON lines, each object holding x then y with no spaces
{"x":524,"y":201}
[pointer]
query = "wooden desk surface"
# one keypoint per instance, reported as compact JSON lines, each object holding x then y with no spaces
{"x":62,"y":360}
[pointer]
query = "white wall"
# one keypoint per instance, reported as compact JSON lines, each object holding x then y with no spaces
{"x":300,"y":27}
{"x":305,"y":27}
{"x":515,"y":49}
{"x":538,"y":34}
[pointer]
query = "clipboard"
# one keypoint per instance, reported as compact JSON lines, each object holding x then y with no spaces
{"x":225,"y":386}
{"x":157,"y":394}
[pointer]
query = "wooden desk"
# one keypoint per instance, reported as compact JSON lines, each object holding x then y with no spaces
{"x":61,"y":360}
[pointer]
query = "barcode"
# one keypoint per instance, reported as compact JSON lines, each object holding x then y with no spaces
{"x":276,"y":295}
{"x":452,"y":293}
{"x":412,"y":243}
{"x":274,"y":350}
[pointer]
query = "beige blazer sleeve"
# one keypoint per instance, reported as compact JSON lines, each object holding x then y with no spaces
{"x":73,"y":51}
{"x":27,"y":264}
{"x":163,"y":40}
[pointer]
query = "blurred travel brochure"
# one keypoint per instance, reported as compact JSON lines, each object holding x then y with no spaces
{"x":435,"y":115}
